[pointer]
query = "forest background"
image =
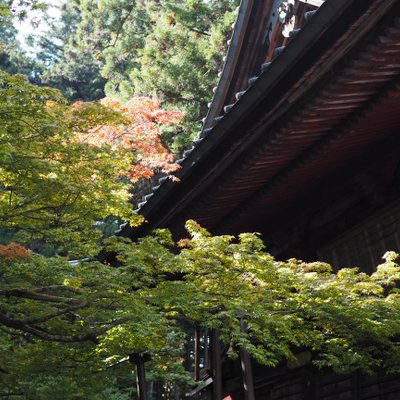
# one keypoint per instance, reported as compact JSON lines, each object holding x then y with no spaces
{"x":119,"y":48}
{"x":114,"y":91}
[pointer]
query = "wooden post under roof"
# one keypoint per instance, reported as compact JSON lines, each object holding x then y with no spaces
{"x":247,"y":372}
{"x":216,"y":365}
{"x":206,"y":339}
{"x":139,"y":359}
{"x":197,"y":353}
{"x":141,"y":377}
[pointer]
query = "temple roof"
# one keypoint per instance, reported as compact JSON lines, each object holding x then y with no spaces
{"x":298,"y":110}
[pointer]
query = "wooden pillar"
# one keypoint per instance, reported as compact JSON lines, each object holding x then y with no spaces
{"x":216,"y":365}
{"x":206,"y":339}
{"x":159,"y":391}
{"x":197,"y":353}
{"x":141,"y":381}
{"x":139,"y":359}
{"x":247,"y":372}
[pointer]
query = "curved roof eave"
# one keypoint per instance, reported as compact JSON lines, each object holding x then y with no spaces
{"x":212,"y":154}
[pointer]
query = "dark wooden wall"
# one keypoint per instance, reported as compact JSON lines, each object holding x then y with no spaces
{"x":307,"y":383}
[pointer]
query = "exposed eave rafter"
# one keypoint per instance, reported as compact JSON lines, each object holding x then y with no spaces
{"x":334,"y":32}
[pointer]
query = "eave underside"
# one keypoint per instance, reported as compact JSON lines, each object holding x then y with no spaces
{"x":341,"y":101}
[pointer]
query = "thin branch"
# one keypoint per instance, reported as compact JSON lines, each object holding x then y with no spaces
{"x":54,"y":314}
{"x":31,"y":294}
{"x":41,"y":289}
{"x":190,"y":28}
{"x":176,"y":96}
{"x":39,"y":332}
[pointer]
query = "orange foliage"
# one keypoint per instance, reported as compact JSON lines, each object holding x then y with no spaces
{"x":144,"y":121}
{"x":14,"y":251}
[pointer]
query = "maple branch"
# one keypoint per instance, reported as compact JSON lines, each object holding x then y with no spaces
{"x":39,"y":133}
{"x":27,"y":213}
{"x":54,"y":314}
{"x":41,"y":289}
{"x":40,"y":333}
{"x":33,"y":295}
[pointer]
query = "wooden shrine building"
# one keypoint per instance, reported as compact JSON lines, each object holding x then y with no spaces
{"x":302,"y":144}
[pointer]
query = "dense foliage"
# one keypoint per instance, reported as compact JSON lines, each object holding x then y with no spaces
{"x":60,"y":165}
{"x":76,"y":325}
{"x":69,"y":329}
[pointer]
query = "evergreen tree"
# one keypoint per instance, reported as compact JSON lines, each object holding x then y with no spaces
{"x":13,"y":59}
{"x":68,"y":65}
{"x":167,"y":49}
{"x":182,"y":56}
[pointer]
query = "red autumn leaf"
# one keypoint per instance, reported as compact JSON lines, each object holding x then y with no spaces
{"x":14,"y":251}
{"x":138,"y":129}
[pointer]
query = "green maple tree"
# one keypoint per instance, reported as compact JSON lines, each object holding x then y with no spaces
{"x":90,"y":317}
{"x":55,"y":184}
